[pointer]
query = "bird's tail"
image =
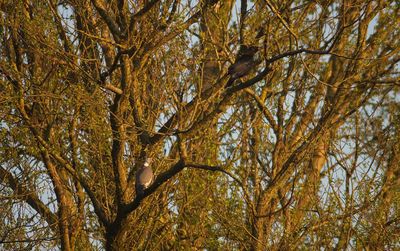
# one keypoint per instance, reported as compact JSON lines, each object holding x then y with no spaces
{"x":139,"y":191}
{"x":230,"y":82}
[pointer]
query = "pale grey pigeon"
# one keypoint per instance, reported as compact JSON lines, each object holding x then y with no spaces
{"x":144,"y":177}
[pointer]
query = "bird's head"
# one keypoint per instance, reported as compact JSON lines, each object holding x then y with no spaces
{"x":248,"y":50}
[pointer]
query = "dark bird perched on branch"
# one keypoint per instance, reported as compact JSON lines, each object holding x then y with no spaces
{"x":144,"y":177}
{"x":244,"y":63}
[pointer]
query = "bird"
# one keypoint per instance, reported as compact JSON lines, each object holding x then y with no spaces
{"x":144,"y":177}
{"x":243,"y":64}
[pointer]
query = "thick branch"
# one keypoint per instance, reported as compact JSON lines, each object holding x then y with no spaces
{"x":112,"y":25}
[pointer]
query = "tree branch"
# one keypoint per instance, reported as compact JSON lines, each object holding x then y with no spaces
{"x":30,"y":198}
{"x":112,"y":25}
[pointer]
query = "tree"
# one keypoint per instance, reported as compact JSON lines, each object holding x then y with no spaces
{"x":298,"y":151}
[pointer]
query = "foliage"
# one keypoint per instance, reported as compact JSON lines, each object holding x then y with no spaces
{"x":301,"y":152}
